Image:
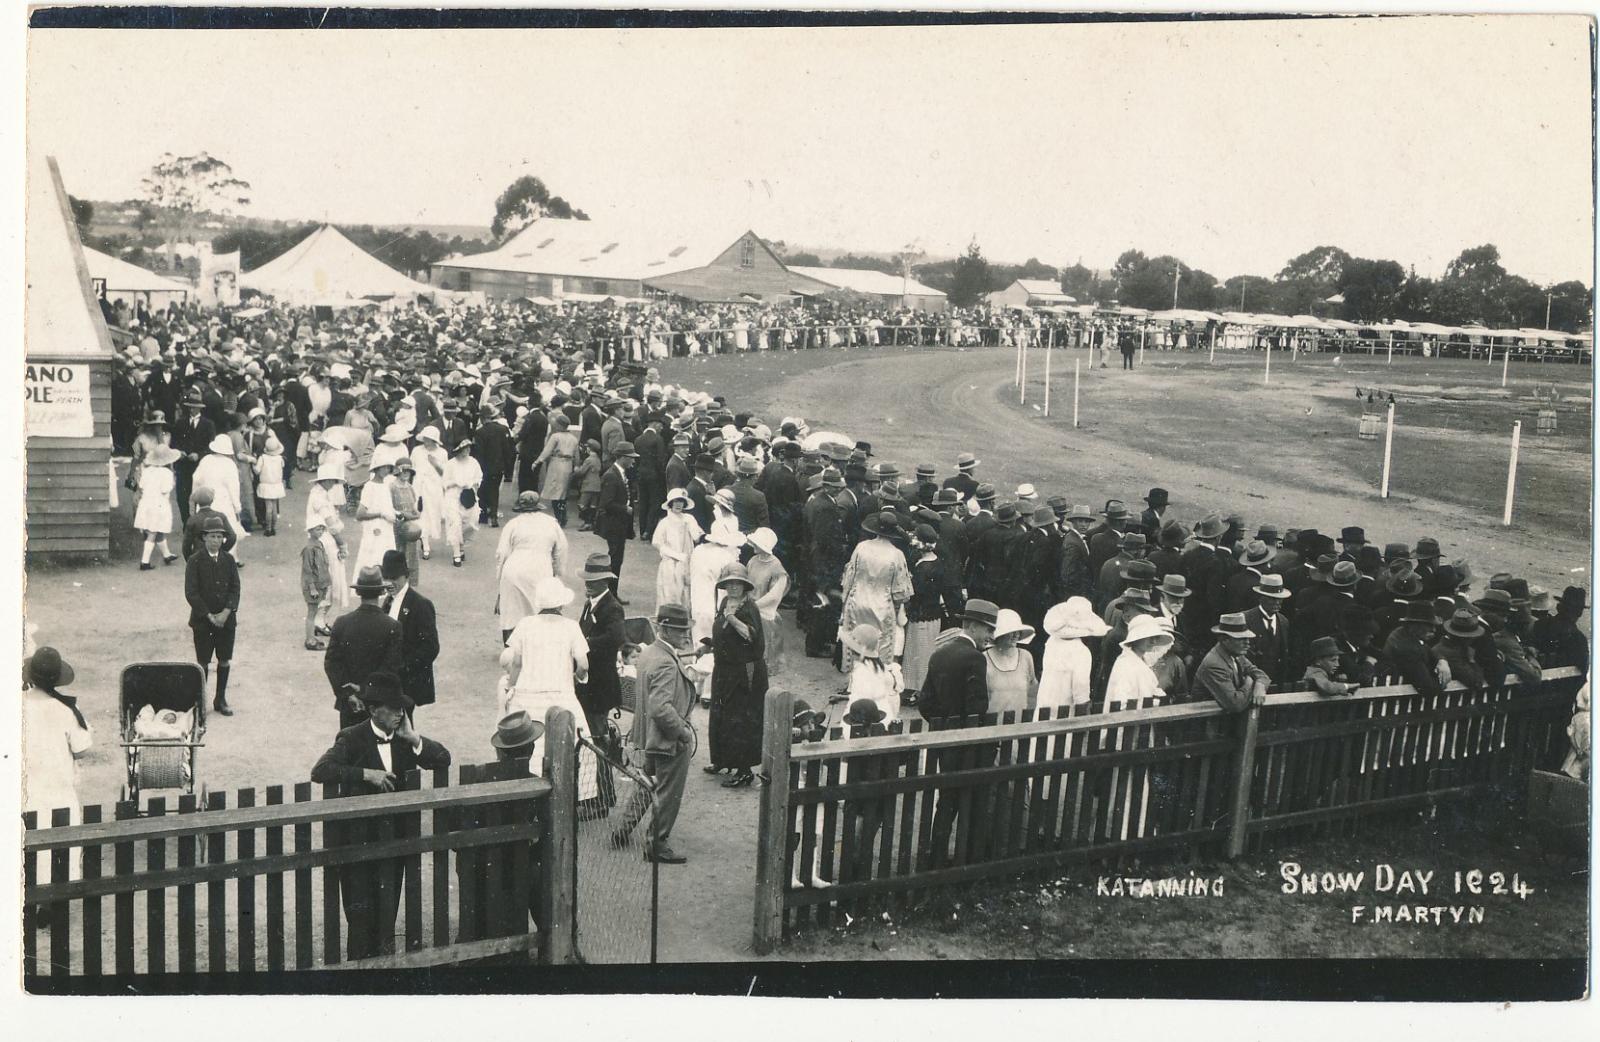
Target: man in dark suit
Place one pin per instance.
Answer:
(781, 485)
(956, 687)
(1406, 654)
(363, 642)
(1150, 520)
(211, 586)
(676, 470)
(366, 758)
(1270, 647)
(749, 505)
(613, 510)
(191, 436)
(590, 420)
(1073, 576)
(700, 490)
(652, 476)
(419, 629)
(964, 481)
(994, 559)
(602, 622)
(1200, 567)
(495, 452)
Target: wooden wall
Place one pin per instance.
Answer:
(69, 484)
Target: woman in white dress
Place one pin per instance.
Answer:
(872, 677)
(462, 474)
(322, 508)
(153, 516)
(1068, 663)
(720, 549)
(54, 735)
(1132, 676)
(877, 585)
(548, 653)
(557, 457)
(375, 514)
(674, 539)
(532, 548)
(1012, 685)
(218, 472)
(771, 583)
(430, 458)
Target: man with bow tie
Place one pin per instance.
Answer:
(370, 757)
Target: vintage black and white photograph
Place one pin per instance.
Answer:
(894, 506)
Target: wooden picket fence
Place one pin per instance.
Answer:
(1048, 790)
(255, 886)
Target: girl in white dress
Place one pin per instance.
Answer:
(430, 458)
(462, 473)
(269, 481)
(218, 472)
(1068, 663)
(720, 549)
(674, 539)
(375, 513)
(322, 508)
(153, 516)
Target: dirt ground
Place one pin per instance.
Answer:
(1158, 425)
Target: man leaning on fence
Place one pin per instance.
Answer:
(661, 729)
(956, 687)
(371, 757)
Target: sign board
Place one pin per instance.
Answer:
(219, 278)
(57, 396)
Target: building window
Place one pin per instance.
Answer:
(747, 254)
(464, 280)
(602, 286)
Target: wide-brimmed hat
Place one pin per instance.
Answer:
(429, 433)
(980, 610)
(1498, 601)
(1080, 512)
(1574, 597)
(863, 639)
(1026, 491)
(723, 497)
(1137, 572)
(1156, 497)
(884, 523)
(677, 495)
(194, 399)
(1541, 600)
(516, 730)
(1174, 585)
(221, 445)
(1427, 549)
(385, 689)
(1210, 527)
(1271, 586)
(1465, 624)
(46, 668)
(1146, 627)
(734, 572)
(673, 616)
(864, 712)
(1344, 574)
(1232, 625)
(725, 532)
(526, 501)
(157, 418)
(1115, 508)
(597, 568)
(1074, 617)
(370, 580)
(1352, 535)
(1404, 585)
(1256, 552)
(763, 539)
(551, 593)
(162, 456)
(394, 434)
(747, 467)
(330, 471)
(1008, 622)
(926, 471)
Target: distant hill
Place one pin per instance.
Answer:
(113, 218)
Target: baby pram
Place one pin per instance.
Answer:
(163, 716)
(640, 632)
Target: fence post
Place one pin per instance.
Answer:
(1239, 802)
(772, 830)
(1511, 473)
(560, 854)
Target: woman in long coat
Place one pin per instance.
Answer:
(738, 680)
(877, 584)
(560, 450)
(430, 458)
(532, 548)
(674, 539)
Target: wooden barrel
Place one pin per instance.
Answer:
(1371, 426)
(1547, 421)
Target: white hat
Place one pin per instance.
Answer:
(394, 434)
(386, 455)
(221, 445)
(1025, 491)
(1008, 622)
(1144, 627)
(725, 532)
(763, 539)
(429, 433)
(330, 471)
(676, 494)
(1074, 618)
(551, 593)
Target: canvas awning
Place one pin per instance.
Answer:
(121, 277)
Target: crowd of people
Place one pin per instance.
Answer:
(928, 588)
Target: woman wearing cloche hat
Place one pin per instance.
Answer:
(54, 735)
(548, 652)
(674, 538)
(877, 584)
(218, 472)
(738, 678)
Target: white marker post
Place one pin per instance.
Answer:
(1391, 349)
(1211, 356)
(1511, 475)
(1075, 362)
(1268, 378)
(1141, 345)
(1388, 450)
(1505, 371)
(1047, 353)
(1016, 370)
(1022, 398)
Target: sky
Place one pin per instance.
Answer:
(1231, 145)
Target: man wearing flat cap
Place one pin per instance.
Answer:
(369, 757)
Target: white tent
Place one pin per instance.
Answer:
(325, 267)
(121, 277)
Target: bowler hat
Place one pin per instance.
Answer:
(384, 689)
(597, 568)
(864, 712)
(1156, 497)
(1352, 535)
(516, 730)
(46, 668)
(394, 564)
(370, 580)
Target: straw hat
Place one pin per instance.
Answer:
(551, 593)
(429, 433)
(164, 456)
(1074, 617)
(1008, 622)
(394, 434)
(1233, 625)
(1146, 627)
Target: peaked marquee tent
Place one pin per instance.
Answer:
(327, 268)
(123, 279)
